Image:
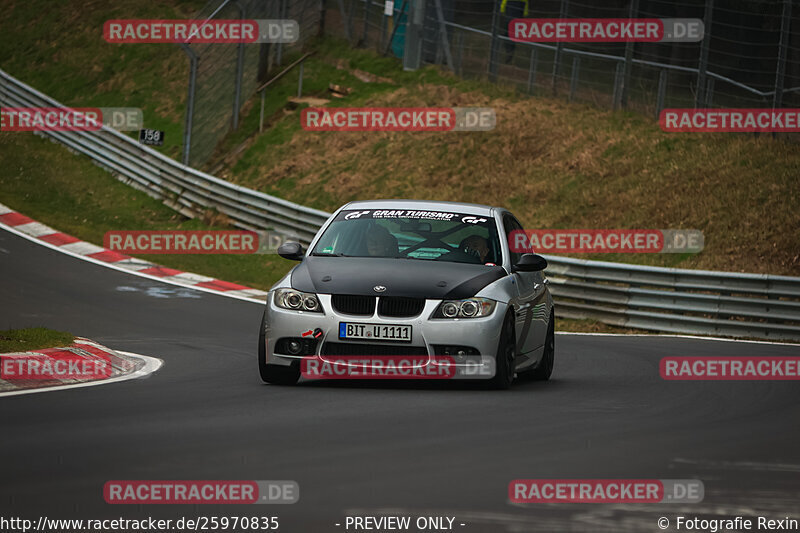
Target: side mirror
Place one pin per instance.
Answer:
(530, 263)
(291, 250)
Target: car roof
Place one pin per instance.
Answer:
(423, 205)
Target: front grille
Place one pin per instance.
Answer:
(354, 305)
(397, 306)
(342, 348)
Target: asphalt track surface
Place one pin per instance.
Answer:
(369, 448)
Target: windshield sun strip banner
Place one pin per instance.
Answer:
(357, 214)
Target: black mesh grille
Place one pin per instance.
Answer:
(342, 348)
(354, 305)
(399, 306)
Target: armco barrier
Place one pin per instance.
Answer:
(661, 299)
(677, 300)
(183, 188)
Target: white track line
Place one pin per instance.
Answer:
(171, 281)
(151, 364)
(675, 336)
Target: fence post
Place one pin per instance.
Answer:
(493, 43)
(237, 92)
(415, 20)
(321, 28)
(187, 127)
(366, 19)
(383, 31)
(617, 86)
(703, 65)
(559, 45)
(261, 113)
(345, 21)
(532, 71)
(573, 84)
(303, 37)
(458, 37)
(709, 91)
(350, 21)
(443, 33)
(282, 7)
(626, 78)
(662, 92)
(300, 81)
(780, 71)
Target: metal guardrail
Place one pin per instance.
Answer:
(677, 300)
(661, 299)
(182, 188)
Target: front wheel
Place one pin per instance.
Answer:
(545, 368)
(505, 362)
(274, 374)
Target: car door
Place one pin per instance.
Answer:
(531, 325)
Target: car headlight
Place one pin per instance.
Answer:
(469, 308)
(297, 300)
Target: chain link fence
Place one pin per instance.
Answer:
(749, 57)
(223, 76)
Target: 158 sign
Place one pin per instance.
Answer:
(151, 137)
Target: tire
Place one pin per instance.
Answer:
(274, 374)
(545, 368)
(506, 355)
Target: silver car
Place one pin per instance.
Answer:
(434, 280)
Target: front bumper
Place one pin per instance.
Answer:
(482, 334)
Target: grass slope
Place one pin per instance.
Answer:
(20, 340)
(555, 164)
(48, 183)
(57, 47)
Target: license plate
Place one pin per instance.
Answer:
(374, 332)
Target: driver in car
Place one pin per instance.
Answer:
(477, 246)
(381, 243)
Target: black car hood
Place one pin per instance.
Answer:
(401, 277)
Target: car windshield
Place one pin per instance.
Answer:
(412, 234)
